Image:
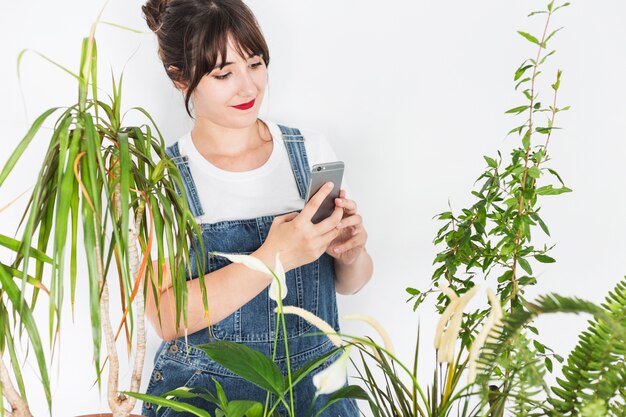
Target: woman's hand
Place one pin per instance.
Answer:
(349, 244)
(298, 240)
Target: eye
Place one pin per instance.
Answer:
(221, 77)
(257, 64)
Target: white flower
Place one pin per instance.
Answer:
(334, 377)
(256, 264)
(315, 321)
(250, 261)
(494, 318)
(279, 280)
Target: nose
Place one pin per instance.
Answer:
(247, 87)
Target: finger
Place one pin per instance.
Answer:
(348, 205)
(354, 242)
(353, 220)
(329, 236)
(342, 193)
(316, 201)
(330, 222)
(286, 217)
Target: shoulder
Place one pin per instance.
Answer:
(314, 139)
(179, 147)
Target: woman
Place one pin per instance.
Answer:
(241, 176)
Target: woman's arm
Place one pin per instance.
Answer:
(353, 265)
(241, 284)
(350, 278)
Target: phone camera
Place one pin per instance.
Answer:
(319, 168)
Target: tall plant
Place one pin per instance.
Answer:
(118, 183)
(494, 235)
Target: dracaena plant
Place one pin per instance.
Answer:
(105, 192)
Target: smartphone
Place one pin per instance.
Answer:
(320, 175)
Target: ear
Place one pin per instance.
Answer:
(174, 73)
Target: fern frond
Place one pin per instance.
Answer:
(595, 372)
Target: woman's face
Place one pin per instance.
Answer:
(242, 81)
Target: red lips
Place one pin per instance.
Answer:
(245, 106)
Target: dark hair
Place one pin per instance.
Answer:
(193, 34)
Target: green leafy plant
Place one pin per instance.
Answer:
(594, 375)
(116, 183)
(494, 235)
(261, 370)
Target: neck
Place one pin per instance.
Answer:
(214, 139)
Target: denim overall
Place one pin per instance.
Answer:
(311, 287)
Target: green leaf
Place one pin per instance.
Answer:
(545, 42)
(550, 190)
(413, 291)
(545, 259)
(548, 363)
(529, 37)
(351, 391)
(557, 83)
(525, 265)
(174, 405)
(534, 172)
(21, 147)
(526, 140)
(247, 363)
(241, 408)
(14, 245)
(520, 71)
(27, 321)
(517, 110)
(221, 395)
(540, 347)
(305, 369)
(553, 172)
(491, 162)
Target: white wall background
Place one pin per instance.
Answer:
(410, 93)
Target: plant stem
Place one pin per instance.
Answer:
(282, 318)
(19, 408)
(140, 353)
(520, 206)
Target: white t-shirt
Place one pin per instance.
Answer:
(267, 190)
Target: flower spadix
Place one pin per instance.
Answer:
(334, 377)
(445, 340)
(256, 264)
(315, 321)
(493, 319)
(378, 327)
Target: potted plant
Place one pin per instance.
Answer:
(105, 192)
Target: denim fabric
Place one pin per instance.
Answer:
(311, 287)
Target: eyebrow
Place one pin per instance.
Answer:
(225, 64)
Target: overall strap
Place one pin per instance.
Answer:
(294, 142)
(182, 163)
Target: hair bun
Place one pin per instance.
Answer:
(153, 12)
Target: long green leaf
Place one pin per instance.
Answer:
(21, 147)
(174, 405)
(351, 391)
(28, 322)
(247, 363)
